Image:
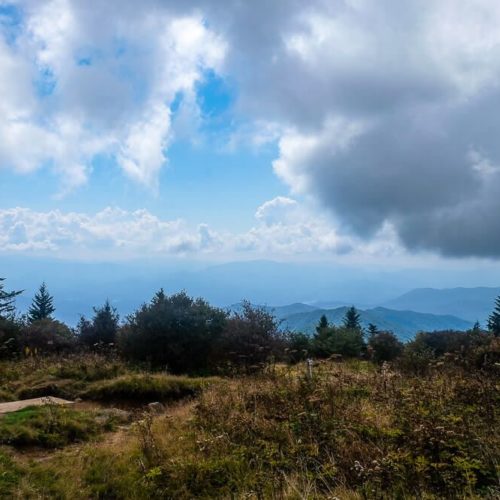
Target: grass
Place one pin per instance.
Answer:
(52, 426)
(355, 431)
(144, 387)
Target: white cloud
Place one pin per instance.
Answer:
(111, 74)
(283, 228)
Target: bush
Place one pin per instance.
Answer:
(299, 347)
(46, 336)
(384, 346)
(9, 338)
(347, 342)
(249, 340)
(176, 333)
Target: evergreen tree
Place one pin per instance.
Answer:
(372, 330)
(351, 319)
(42, 306)
(103, 327)
(477, 327)
(494, 319)
(323, 323)
(7, 300)
(105, 323)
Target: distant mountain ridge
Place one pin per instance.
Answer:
(405, 324)
(469, 303)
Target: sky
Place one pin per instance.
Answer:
(345, 131)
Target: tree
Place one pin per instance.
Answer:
(384, 346)
(250, 339)
(351, 319)
(338, 340)
(46, 336)
(175, 332)
(494, 319)
(42, 306)
(299, 346)
(7, 300)
(323, 323)
(372, 330)
(103, 327)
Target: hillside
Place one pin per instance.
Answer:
(468, 303)
(404, 324)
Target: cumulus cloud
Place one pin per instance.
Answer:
(380, 105)
(283, 228)
(86, 78)
(384, 112)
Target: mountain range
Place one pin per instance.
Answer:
(300, 317)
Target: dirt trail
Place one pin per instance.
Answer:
(19, 405)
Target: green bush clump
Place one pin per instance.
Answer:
(146, 387)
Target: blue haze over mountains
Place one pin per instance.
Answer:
(405, 301)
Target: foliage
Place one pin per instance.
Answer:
(351, 319)
(299, 347)
(7, 300)
(42, 306)
(338, 340)
(174, 332)
(322, 324)
(494, 319)
(249, 339)
(46, 336)
(9, 337)
(384, 346)
(103, 328)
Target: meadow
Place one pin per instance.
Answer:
(354, 430)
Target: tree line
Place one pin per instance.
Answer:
(181, 334)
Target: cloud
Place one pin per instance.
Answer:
(385, 112)
(379, 106)
(88, 78)
(283, 228)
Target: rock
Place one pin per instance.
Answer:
(116, 414)
(156, 407)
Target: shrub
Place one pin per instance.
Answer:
(9, 338)
(46, 336)
(249, 340)
(175, 332)
(384, 346)
(338, 340)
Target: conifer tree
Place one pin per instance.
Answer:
(323, 323)
(494, 319)
(42, 306)
(7, 300)
(372, 329)
(351, 319)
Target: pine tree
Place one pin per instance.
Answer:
(351, 319)
(105, 323)
(323, 323)
(7, 300)
(494, 319)
(42, 306)
(372, 329)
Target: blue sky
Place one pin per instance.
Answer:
(259, 130)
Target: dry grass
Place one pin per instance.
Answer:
(353, 432)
